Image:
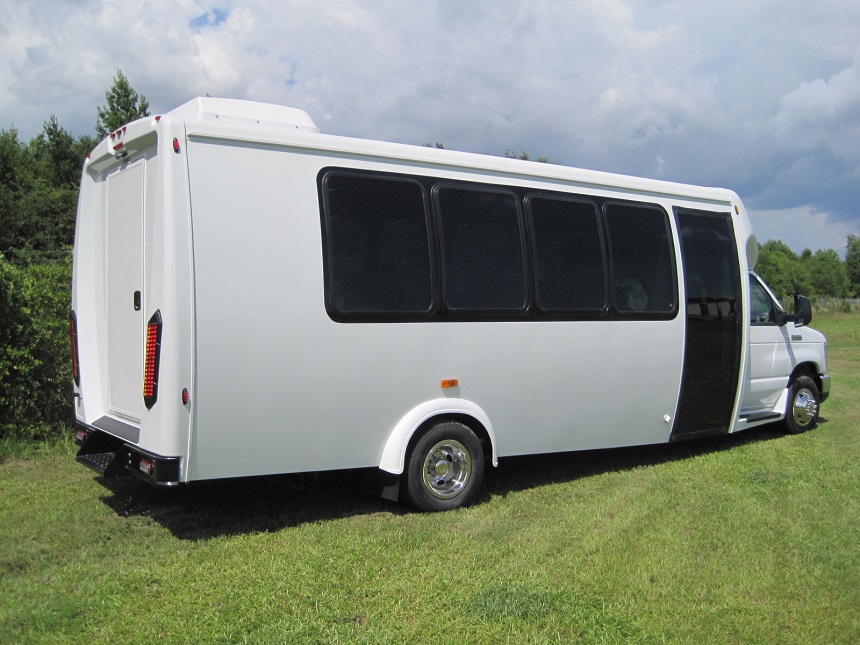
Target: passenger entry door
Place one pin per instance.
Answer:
(124, 210)
(712, 350)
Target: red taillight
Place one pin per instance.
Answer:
(73, 335)
(81, 436)
(153, 355)
(146, 467)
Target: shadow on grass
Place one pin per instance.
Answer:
(204, 510)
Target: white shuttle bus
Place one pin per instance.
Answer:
(252, 297)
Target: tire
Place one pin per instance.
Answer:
(803, 403)
(445, 468)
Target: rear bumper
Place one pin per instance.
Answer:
(111, 456)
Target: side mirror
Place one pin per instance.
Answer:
(802, 311)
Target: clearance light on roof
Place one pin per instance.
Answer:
(153, 356)
(73, 335)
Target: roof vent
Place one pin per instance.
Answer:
(268, 113)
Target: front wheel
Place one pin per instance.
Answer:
(445, 468)
(803, 402)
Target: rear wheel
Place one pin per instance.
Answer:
(803, 402)
(445, 468)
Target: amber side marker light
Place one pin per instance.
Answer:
(450, 382)
(153, 357)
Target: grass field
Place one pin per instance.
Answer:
(753, 538)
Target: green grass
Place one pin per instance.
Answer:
(750, 539)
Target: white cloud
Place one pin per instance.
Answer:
(803, 227)
(824, 114)
(752, 96)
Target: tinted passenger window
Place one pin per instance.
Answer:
(643, 278)
(482, 250)
(710, 263)
(568, 255)
(378, 250)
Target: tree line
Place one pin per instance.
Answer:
(39, 182)
(822, 274)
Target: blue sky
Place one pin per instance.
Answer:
(762, 97)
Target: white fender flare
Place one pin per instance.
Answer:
(394, 454)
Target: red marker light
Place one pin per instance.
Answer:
(176, 147)
(146, 467)
(185, 396)
(152, 358)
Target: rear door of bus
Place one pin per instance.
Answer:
(124, 233)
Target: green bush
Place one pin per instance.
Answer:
(35, 366)
(835, 305)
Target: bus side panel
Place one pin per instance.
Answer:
(262, 401)
(283, 388)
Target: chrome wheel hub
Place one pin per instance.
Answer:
(447, 469)
(805, 407)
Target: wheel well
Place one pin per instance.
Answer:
(470, 422)
(807, 369)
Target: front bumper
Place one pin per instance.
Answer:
(824, 389)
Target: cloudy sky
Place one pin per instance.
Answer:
(759, 96)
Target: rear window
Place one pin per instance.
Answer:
(378, 258)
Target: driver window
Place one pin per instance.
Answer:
(761, 305)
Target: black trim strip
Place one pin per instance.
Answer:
(437, 312)
(760, 416)
(697, 434)
(119, 428)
